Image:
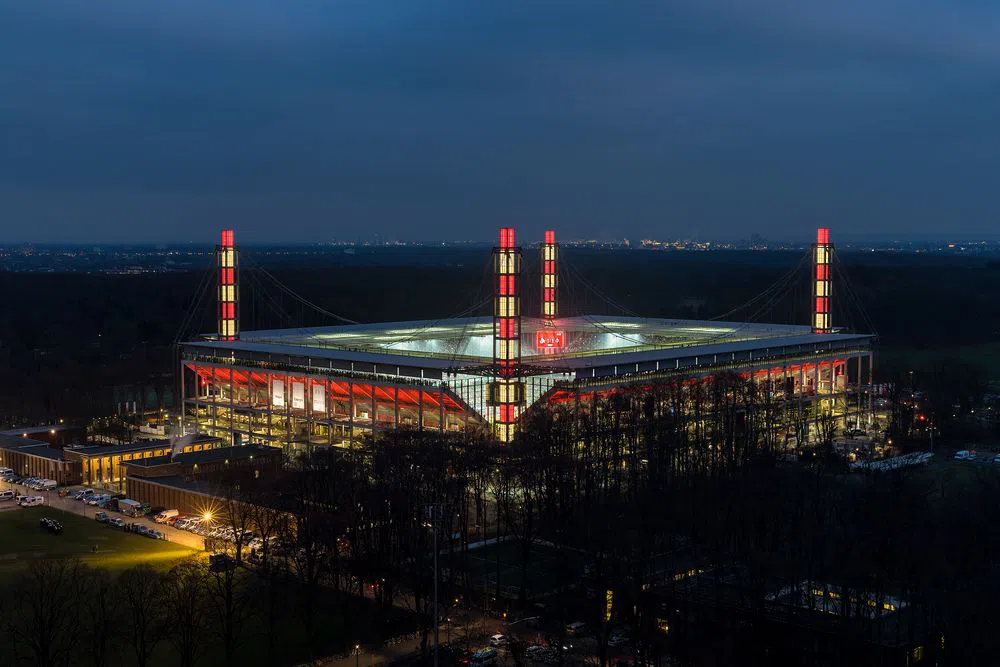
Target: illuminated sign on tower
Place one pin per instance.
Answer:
(506, 389)
(225, 259)
(822, 281)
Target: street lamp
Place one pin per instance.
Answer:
(357, 655)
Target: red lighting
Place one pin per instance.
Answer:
(228, 290)
(550, 339)
(507, 286)
(550, 236)
(822, 284)
(506, 238)
(507, 327)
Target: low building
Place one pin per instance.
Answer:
(103, 465)
(55, 435)
(205, 462)
(34, 458)
(186, 481)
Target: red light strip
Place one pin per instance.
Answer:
(550, 277)
(506, 391)
(228, 291)
(822, 283)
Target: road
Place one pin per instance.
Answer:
(67, 504)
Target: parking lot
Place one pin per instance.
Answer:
(67, 504)
(23, 538)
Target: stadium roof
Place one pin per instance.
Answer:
(590, 341)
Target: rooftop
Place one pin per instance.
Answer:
(187, 484)
(33, 430)
(210, 455)
(585, 341)
(28, 446)
(140, 445)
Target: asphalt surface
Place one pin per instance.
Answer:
(67, 504)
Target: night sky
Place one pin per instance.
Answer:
(309, 120)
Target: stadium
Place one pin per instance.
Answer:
(306, 388)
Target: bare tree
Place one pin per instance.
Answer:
(186, 606)
(229, 604)
(103, 617)
(41, 614)
(143, 595)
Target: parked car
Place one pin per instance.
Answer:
(7, 495)
(165, 516)
(102, 517)
(116, 521)
(192, 522)
(576, 628)
(484, 657)
(964, 455)
(31, 501)
(156, 534)
(617, 640)
(174, 520)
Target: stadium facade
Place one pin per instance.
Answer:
(336, 386)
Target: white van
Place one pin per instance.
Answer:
(6, 471)
(48, 484)
(32, 501)
(7, 495)
(165, 516)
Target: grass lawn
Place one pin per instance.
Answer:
(22, 539)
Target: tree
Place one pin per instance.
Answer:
(104, 613)
(41, 615)
(229, 605)
(143, 601)
(186, 606)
